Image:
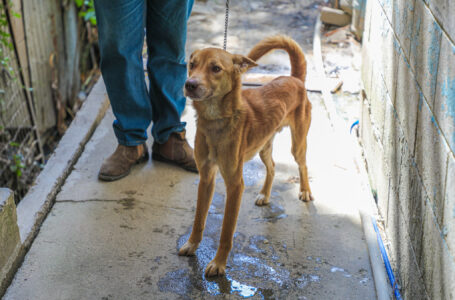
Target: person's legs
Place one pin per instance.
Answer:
(166, 36)
(121, 37)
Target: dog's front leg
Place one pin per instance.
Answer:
(234, 187)
(207, 172)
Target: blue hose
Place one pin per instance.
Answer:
(353, 125)
(388, 268)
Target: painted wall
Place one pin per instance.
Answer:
(408, 134)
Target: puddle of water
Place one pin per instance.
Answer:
(243, 290)
(341, 270)
(363, 280)
(217, 206)
(272, 213)
(304, 280)
(177, 282)
(255, 242)
(253, 171)
(228, 285)
(258, 268)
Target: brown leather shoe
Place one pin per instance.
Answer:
(175, 151)
(119, 164)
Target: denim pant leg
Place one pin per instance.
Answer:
(166, 27)
(121, 37)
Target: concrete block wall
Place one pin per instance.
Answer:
(9, 236)
(408, 135)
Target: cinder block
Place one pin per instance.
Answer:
(390, 59)
(431, 153)
(378, 22)
(387, 6)
(425, 49)
(448, 229)
(444, 12)
(393, 143)
(9, 232)
(436, 263)
(367, 69)
(374, 156)
(382, 179)
(379, 97)
(393, 138)
(407, 101)
(413, 201)
(366, 30)
(404, 259)
(444, 104)
(402, 21)
(10, 243)
(384, 50)
(335, 16)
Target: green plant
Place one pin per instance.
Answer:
(5, 36)
(17, 164)
(87, 10)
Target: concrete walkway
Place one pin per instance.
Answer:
(119, 240)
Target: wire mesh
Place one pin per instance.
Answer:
(20, 152)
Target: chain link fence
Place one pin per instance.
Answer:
(21, 154)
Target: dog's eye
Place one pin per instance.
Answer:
(216, 69)
(191, 65)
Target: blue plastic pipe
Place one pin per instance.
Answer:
(385, 258)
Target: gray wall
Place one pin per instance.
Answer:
(408, 134)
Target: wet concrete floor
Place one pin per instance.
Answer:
(119, 240)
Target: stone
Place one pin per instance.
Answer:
(335, 16)
(9, 232)
(9, 235)
(425, 48)
(444, 104)
(346, 5)
(443, 11)
(431, 153)
(448, 228)
(407, 100)
(402, 22)
(412, 199)
(436, 263)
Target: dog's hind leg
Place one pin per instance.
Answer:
(266, 156)
(300, 124)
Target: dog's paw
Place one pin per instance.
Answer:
(262, 200)
(215, 269)
(188, 249)
(306, 196)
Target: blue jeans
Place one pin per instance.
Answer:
(121, 36)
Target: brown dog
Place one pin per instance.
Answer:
(234, 124)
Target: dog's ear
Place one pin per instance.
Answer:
(243, 63)
(193, 54)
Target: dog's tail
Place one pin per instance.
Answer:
(298, 61)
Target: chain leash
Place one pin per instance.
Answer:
(226, 22)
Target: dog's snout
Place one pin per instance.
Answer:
(191, 84)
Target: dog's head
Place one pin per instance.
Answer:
(213, 72)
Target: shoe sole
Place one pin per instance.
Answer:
(160, 158)
(117, 177)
